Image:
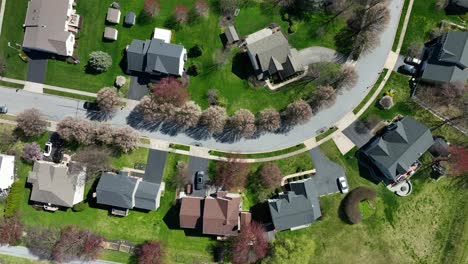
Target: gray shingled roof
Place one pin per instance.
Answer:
(448, 58)
(272, 54)
(116, 190)
(56, 184)
(395, 151)
(153, 56)
(298, 207)
(145, 196)
(462, 3)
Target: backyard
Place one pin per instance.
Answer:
(216, 65)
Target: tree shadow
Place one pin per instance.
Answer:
(99, 116)
(229, 135)
(198, 133)
(136, 120)
(171, 128)
(241, 66)
(344, 41)
(341, 211)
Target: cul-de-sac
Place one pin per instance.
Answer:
(234, 131)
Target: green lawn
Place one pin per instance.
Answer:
(426, 227)
(12, 85)
(203, 31)
(371, 92)
(6, 259)
(69, 95)
(425, 17)
(136, 227)
(260, 155)
(400, 25)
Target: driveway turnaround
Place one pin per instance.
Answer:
(37, 67)
(327, 173)
(198, 164)
(358, 133)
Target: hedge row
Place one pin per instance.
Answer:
(13, 200)
(352, 200)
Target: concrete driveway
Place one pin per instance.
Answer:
(327, 173)
(320, 54)
(198, 164)
(37, 67)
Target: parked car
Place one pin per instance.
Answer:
(3, 109)
(91, 106)
(412, 61)
(199, 180)
(343, 185)
(407, 69)
(47, 149)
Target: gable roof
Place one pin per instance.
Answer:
(116, 190)
(154, 56)
(145, 196)
(448, 58)
(45, 26)
(298, 207)
(231, 34)
(7, 171)
(395, 151)
(57, 184)
(272, 54)
(191, 211)
(221, 214)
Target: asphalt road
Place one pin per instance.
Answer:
(23, 252)
(368, 68)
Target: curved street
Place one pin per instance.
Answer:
(368, 68)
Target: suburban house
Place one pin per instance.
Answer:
(156, 56)
(271, 56)
(57, 185)
(7, 171)
(50, 26)
(131, 189)
(214, 215)
(445, 59)
(297, 208)
(394, 154)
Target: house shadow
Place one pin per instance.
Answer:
(223, 39)
(123, 61)
(261, 212)
(366, 169)
(241, 66)
(453, 10)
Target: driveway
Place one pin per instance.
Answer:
(320, 54)
(37, 67)
(155, 163)
(328, 172)
(358, 133)
(138, 87)
(198, 164)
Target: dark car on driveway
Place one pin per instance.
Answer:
(407, 69)
(91, 106)
(199, 180)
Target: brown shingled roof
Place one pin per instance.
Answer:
(191, 212)
(221, 214)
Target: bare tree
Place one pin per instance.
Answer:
(104, 134)
(41, 241)
(214, 118)
(31, 123)
(150, 252)
(347, 78)
(243, 122)
(151, 8)
(156, 111)
(125, 139)
(188, 115)
(96, 160)
(76, 129)
(170, 90)
(182, 177)
(108, 99)
(454, 90)
(269, 120)
(232, 174)
(11, 230)
(77, 244)
(181, 14)
(271, 175)
(298, 112)
(31, 152)
(323, 97)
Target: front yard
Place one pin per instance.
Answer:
(216, 67)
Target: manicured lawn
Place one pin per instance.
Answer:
(425, 17)
(400, 25)
(261, 155)
(202, 31)
(6, 259)
(425, 227)
(69, 95)
(136, 227)
(12, 85)
(326, 133)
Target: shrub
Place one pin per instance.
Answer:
(181, 14)
(195, 51)
(193, 70)
(201, 8)
(353, 199)
(250, 245)
(14, 199)
(11, 230)
(150, 252)
(99, 61)
(120, 81)
(386, 102)
(414, 49)
(31, 152)
(293, 28)
(271, 175)
(80, 207)
(212, 96)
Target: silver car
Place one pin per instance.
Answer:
(343, 185)
(3, 109)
